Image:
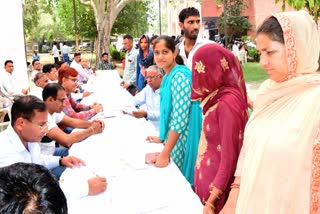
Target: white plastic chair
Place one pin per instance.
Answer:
(4, 125)
(3, 112)
(243, 57)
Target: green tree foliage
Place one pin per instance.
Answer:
(115, 54)
(31, 15)
(40, 26)
(85, 19)
(313, 6)
(47, 30)
(134, 19)
(40, 22)
(58, 24)
(231, 20)
(137, 11)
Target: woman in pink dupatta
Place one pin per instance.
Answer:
(217, 82)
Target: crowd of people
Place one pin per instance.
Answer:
(193, 92)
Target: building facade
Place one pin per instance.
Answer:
(173, 9)
(257, 11)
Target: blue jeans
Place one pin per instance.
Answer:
(59, 169)
(65, 58)
(68, 130)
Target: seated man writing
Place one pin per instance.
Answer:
(53, 96)
(20, 143)
(148, 99)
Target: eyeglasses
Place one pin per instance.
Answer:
(74, 80)
(61, 99)
(41, 127)
(151, 77)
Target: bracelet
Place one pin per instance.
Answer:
(234, 185)
(60, 160)
(210, 205)
(216, 196)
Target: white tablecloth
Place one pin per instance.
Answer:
(119, 155)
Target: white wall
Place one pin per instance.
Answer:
(12, 39)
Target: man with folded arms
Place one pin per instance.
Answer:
(53, 96)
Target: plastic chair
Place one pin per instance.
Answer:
(3, 113)
(243, 57)
(3, 125)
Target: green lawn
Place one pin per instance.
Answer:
(254, 73)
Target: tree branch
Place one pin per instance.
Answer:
(120, 5)
(85, 2)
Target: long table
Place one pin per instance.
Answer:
(119, 155)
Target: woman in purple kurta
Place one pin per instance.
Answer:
(217, 82)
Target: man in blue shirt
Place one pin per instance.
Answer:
(129, 72)
(148, 99)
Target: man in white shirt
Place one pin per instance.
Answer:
(235, 49)
(36, 68)
(148, 99)
(51, 71)
(79, 64)
(7, 81)
(189, 22)
(86, 66)
(40, 81)
(20, 142)
(53, 96)
(65, 51)
(55, 52)
(76, 64)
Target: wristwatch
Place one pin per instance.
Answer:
(60, 160)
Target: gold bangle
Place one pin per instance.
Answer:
(216, 196)
(234, 185)
(210, 205)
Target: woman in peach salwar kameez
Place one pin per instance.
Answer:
(278, 170)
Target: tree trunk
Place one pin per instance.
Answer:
(106, 12)
(226, 37)
(108, 26)
(99, 43)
